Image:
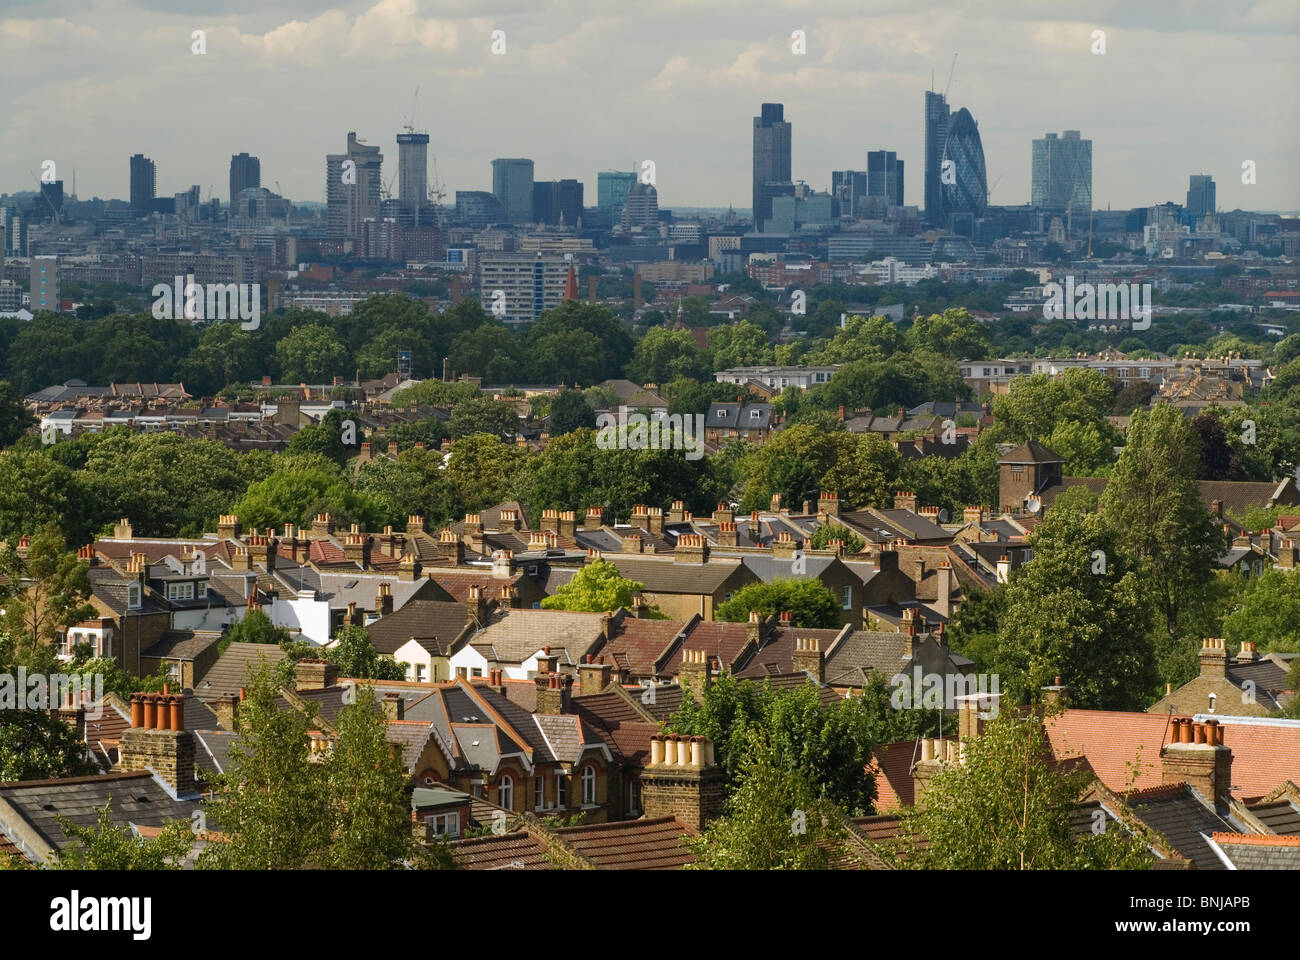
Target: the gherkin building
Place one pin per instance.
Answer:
(969, 194)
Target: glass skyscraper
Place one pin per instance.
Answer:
(1062, 173)
(771, 159)
(885, 176)
(612, 187)
(512, 183)
(1200, 196)
(966, 197)
(936, 132)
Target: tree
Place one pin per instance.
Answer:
(269, 803)
(107, 846)
(414, 482)
(570, 411)
(300, 488)
(953, 333)
(367, 815)
(740, 345)
(43, 591)
(597, 587)
(484, 415)
(355, 656)
(1077, 610)
(36, 489)
(325, 438)
(311, 354)
(773, 820)
(827, 532)
(861, 338)
(1008, 806)
(437, 393)
(37, 745)
(256, 627)
(1154, 504)
(1266, 611)
(481, 469)
(664, 355)
(809, 601)
(14, 418)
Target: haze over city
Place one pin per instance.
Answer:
(286, 83)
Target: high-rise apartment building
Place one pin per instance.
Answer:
(144, 182)
(245, 172)
(521, 284)
(772, 147)
(885, 176)
(512, 183)
(1200, 196)
(1062, 173)
(352, 189)
(412, 175)
(611, 193)
(44, 288)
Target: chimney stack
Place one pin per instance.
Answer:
(808, 658)
(682, 780)
(592, 677)
(1214, 659)
(555, 695)
(228, 527)
(476, 606)
(394, 707)
(594, 519)
(829, 504)
(694, 675)
(157, 740)
(1196, 755)
(315, 674)
(450, 548)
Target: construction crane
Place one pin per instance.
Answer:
(950, 71)
(994, 187)
(409, 126)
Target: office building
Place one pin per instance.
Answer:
(352, 189)
(245, 173)
(936, 133)
(772, 147)
(557, 202)
(966, 197)
(512, 184)
(848, 187)
(44, 290)
(611, 193)
(885, 176)
(49, 206)
(412, 176)
(1200, 196)
(144, 182)
(478, 208)
(1062, 173)
(527, 284)
(642, 207)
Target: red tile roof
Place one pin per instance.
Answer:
(632, 844)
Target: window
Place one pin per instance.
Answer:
(180, 591)
(634, 796)
(445, 824)
(588, 786)
(755, 414)
(539, 793)
(561, 790)
(476, 788)
(133, 596)
(462, 671)
(506, 792)
(1017, 472)
(419, 672)
(476, 672)
(848, 596)
(174, 669)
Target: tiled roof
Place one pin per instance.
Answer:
(1280, 816)
(458, 582)
(665, 575)
(435, 624)
(183, 644)
(777, 654)
(641, 646)
(508, 851)
(1184, 819)
(230, 672)
(722, 641)
(516, 635)
(632, 844)
(411, 736)
(1254, 852)
(135, 798)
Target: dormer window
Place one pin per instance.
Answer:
(180, 591)
(755, 414)
(133, 596)
(722, 414)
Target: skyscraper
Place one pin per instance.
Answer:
(144, 177)
(885, 176)
(245, 172)
(557, 201)
(848, 187)
(642, 206)
(965, 198)
(412, 175)
(1200, 196)
(936, 132)
(611, 193)
(772, 140)
(352, 189)
(1062, 173)
(512, 183)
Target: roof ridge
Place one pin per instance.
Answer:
(1255, 839)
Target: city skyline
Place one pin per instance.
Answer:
(688, 107)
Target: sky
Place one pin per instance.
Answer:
(1183, 87)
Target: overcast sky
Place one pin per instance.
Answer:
(1184, 87)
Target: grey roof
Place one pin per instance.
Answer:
(230, 672)
(411, 736)
(109, 587)
(135, 798)
(182, 644)
(1259, 852)
(666, 575)
(730, 415)
(768, 568)
(340, 589)
(213, 753)
(1184, 819)
(434, 624)
(515, 635)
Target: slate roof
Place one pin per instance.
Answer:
(411, 736)
(212, 753)
(1281, 816)
(1254, 852)
(1031, 452)
(776, 655)
(109, 588)
(434, 624)
(103, 734)
(183, 644)
(508, 851)
(230, 672)
(632, 844)
(340, 589)
(135, 798)
(1184, 819)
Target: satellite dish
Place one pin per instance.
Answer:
(1033, 504)
(943, 516)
